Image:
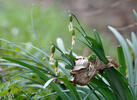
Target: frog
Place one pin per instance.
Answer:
(84, 70)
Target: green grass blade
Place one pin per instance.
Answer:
(135, 13)
(69, 58)
(134, 43)
(34, 47)
(104, 88)
(79, 24)
(121, 59)
(97, 95)
(33, 28)
(93, 91)
(135, 77)
(28, 55)
(73, 91)
(96, 47)
(126, 53)
(48, 82)
(54, 93)
(41, 75)
(35, 86)
(11, 64)
(97, 37)
(118, 84)
(32, 60)
(60, 44)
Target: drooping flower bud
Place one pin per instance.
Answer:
(52, 53)
(73, 37)
(56, 65)
(70, 26)
(52, 49)
(70, 18)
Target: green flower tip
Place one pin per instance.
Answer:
(73, 32)
(56, 63)
(52, 49)
(70, 18)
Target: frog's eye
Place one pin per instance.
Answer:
(79, 57)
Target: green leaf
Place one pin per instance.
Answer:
(135, 77)
(72, 58)
(96, 93)
(54, 93)
(118, 84)
(96, 47)
(121, 59)
(35, 85)
(68, 67)
(65, 57)
(27, 54)
(127, 55)
(135, 13)
(48, 82)
(134, 42)
(41, 75)
(97, 37)
(103, 88)
(73, 91)
(79, 24)
(60, 44)
(134, 47)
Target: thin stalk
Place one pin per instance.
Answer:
(33, 28)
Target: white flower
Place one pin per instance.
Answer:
(70, 26)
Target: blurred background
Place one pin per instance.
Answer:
(40, 23)
(21, 20)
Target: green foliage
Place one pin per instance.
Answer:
(130, 63)
(37, 77)
(135, 13)
(20, 21)
(121, 59)
(127, 54)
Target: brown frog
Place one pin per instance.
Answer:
(85, 70)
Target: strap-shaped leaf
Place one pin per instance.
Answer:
(118, 84)
(121, 59)
(41, 75)
(96, 47)
(104, 88)
(73, 91)
(135, 13)
(97, 37)
(127, 55)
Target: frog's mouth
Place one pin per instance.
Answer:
(84, 70)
